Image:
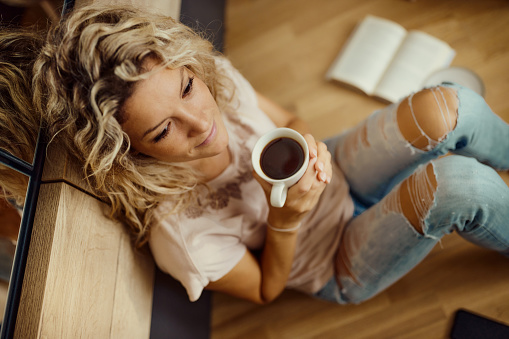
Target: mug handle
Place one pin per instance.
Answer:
(278, 194)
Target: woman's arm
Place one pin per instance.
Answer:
(262, 279)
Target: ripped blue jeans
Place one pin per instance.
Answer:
(380, 245)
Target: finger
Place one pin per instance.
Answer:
(328, 171)
(313, 148)
(265, 185)
(323, 166)
(322, 156)
(306, 182)
(328, 166)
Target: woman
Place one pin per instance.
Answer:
(164, 127)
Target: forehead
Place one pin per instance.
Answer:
(152, 100)
(160, 87)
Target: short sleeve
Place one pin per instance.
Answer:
(197, 251)
(243, 88)
(246, 99)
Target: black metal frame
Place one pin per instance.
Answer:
(34, 172)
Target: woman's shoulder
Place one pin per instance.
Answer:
(223, 63)
(244, 91)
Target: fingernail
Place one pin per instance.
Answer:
(329, 179)
(313, 153)
(320, 166)
(322, 176)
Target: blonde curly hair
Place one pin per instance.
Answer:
(85, 73)
(19, 124)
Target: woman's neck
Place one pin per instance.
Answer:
(212, 167)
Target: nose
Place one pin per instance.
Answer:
(196, 120)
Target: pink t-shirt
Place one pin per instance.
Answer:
(204, 242)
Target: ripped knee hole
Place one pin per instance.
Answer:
(426, 117)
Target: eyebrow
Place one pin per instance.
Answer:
(150, 130)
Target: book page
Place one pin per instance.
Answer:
(367, 53)
(419, 56)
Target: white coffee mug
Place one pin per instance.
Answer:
(294, 169)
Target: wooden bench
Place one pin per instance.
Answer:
(84, 279)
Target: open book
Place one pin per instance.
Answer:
(384, 60)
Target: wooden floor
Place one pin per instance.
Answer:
(284, 48)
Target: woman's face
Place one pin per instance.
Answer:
(173, 117)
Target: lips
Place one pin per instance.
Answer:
(210, 137)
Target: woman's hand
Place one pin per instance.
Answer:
(304, 195)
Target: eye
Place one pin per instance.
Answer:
(188, 88)
(162, 135)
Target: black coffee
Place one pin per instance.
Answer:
(281, 158)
